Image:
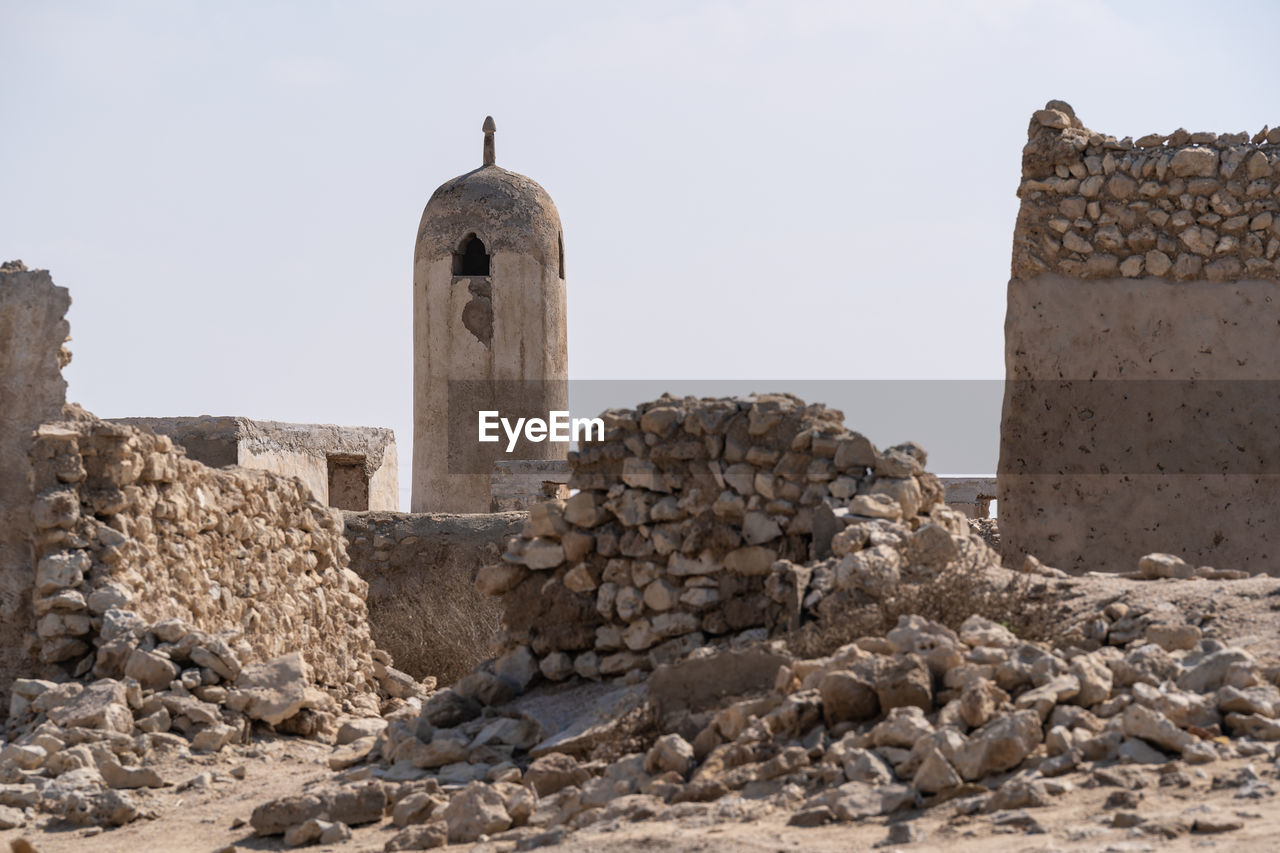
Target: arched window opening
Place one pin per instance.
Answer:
(560, 244)
(471, 257)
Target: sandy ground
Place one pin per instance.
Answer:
(207, 815)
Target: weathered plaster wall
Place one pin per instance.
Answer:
(294, 450)
(1141, 350)
(515, 374)
(32, 390)
(313, 471)
(384, 482)
(393, 549)
(304, 448)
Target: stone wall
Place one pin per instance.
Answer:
(1141, 350)
(126, 522)
(32, 390)
(340, 465)
(689, 524)
(1183, 206)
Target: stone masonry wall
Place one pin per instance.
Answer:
(125, 522)
(691, 521)
(1181, 206)
(32, 390)
(1141, 353)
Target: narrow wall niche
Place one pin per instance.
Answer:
(348, 482)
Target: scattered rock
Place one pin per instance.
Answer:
(474, 811)
(1216, 823)
(423, 837)
(553, 771)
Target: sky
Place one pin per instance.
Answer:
(772, 192)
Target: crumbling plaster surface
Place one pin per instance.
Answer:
(32, 390)
(295, 450)
(395, 552)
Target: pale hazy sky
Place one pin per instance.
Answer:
(749, 190)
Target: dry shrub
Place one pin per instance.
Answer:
(1024, 604)
(437, 625)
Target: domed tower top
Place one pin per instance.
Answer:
(505, 211)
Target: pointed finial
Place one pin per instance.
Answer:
(489, 127)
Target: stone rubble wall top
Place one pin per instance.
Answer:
(1179, 206)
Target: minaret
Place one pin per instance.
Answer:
(489, 329)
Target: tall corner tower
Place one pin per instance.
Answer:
(489, 330)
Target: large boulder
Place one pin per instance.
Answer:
(847, 698)
(352, 805)
(554, 771)
(474, 811)
(273, 691)
(101, 705)
(1000, 745)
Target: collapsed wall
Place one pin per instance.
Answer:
(689, 523)
(32, 390)
(125, 522)
(1140, 349)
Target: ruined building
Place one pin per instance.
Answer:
(1140, 349)
(352, 468)
(489, 328)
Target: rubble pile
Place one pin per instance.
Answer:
(700, 519)
(920, 717)
(1180, 206)
(701, 527)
